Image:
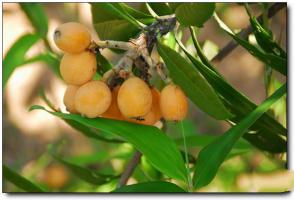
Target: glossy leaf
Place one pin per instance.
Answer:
(265, 39)
(173, 5)
(194, 14)
(212, 156)
(37, 16)
(161, 151)
(193, 83)
(160, 8)
(83, 173)
(20, 181)
(16, 55)
(240, 105)
(276, 62)
(112, 26)
(152, 187)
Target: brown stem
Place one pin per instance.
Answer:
(245, 32)
(129, 169)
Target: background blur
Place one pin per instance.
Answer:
(27, 134)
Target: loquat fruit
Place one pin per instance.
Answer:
(173, 103)
(69, 98)
(72, 37)
(154, 114)
(77, 69)
(134, 98)
(93, 99)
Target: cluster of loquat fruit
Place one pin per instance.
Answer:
(134, 100)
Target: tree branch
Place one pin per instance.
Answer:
(129, 169)
(245, 32)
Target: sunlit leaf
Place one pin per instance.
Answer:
(16, 55)
(193, 83)
(161, 151)
(239, 104)
(37, 16)
(212, 156)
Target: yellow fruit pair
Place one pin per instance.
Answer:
(77, 66)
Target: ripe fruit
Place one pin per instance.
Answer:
(154, 114)
(173, 103)
(77, 69)
(93, 99)
(72, 37)
(113, 111)
(56, 176)
(134, 98)
(69, 98)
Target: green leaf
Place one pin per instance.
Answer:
(276, 62)
(240, 105)
(160, 8)
(212, 156)
(110, 25)
(194, 14)
(37, 16)
(52, 60)
(153, 187)
(193, 83)
(134, 13)
(20, 181)
(265, 39)
(173, 5)
(103, 65)
(83, 173)
(16, 55)
(161, 151)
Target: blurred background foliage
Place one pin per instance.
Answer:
(26, 135)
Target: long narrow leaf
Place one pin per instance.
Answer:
(212, 156)
(161, 151)
(276, 62)
(83, 173)
(20, 181)
(193, 83)
(37, 16)
(240, 105)
(16, 55)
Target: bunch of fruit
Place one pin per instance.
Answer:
(134, 100)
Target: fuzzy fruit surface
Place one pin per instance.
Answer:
(72, 37)
(77, 69)
(56, 176)
(134, 98)
(154, 114)
(69, 98)
(173, 103)
(113, 111)
(93, 99)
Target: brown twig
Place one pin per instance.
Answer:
(245, 32)
(129, 169)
